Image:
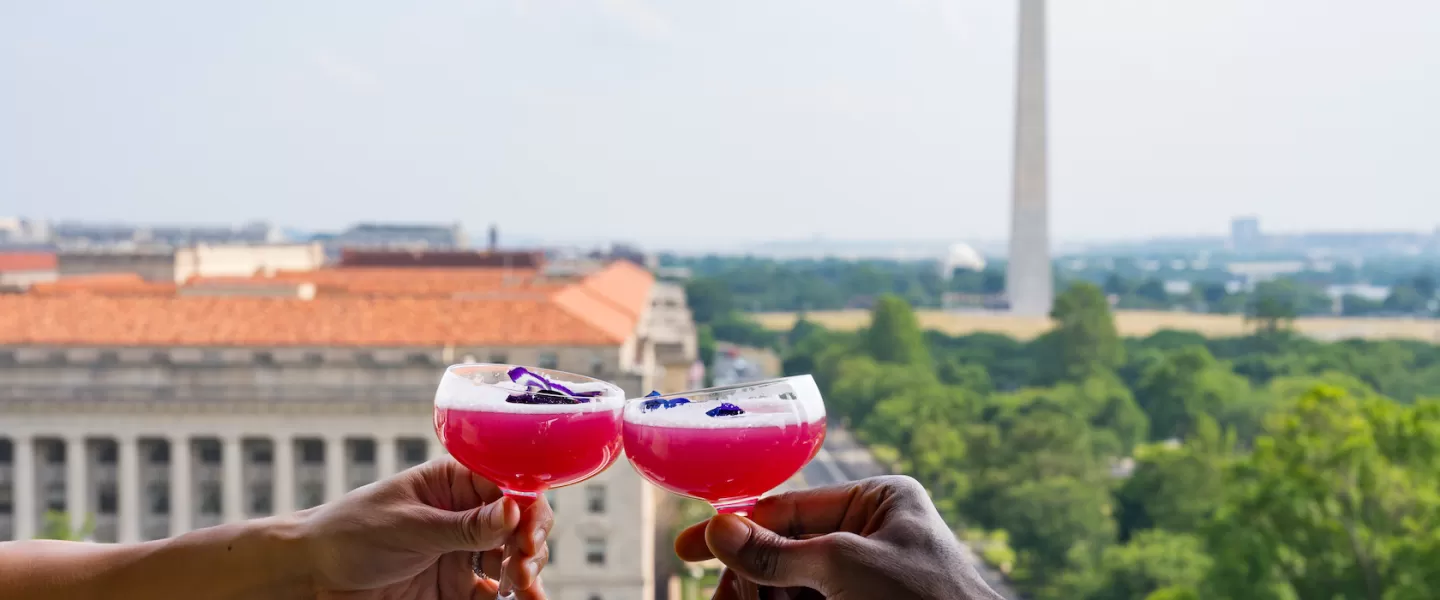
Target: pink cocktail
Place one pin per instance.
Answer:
(728, 445)
(527, 429)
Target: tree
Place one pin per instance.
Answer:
(1339, 500)
(1175, 487)
(1084, 341)
(57, 527)
(894, 335)
(1273, 305)
(1151, 562)
(708, 299)
(1188, 383)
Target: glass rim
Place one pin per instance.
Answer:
(722, 388)
(505, 367)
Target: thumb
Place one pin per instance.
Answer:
(764, 557)
(481, 528)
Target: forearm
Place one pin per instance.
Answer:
(253, 559)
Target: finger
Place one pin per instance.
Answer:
(761, 556)
(536, 592)
(813, 511)
(523, 572)
(690, 544)
(536, 522)
(490, 563)
(727, 588)
(456, 577)
(484, 589)
(475, 530)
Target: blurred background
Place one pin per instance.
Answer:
(1145, 293)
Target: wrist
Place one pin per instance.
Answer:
(284, 555)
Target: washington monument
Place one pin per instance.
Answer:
(1028, 279)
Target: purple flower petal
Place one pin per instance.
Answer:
(725, 409)
(660, 403)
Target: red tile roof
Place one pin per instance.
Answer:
(27, 261)
(353, 307)
(211, 321)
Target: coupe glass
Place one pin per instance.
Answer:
(726, 445)
(528, 429)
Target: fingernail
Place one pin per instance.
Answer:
(729, 531)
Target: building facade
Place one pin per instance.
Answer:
(153, 415)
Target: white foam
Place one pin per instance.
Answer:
(458, 392)
(763, 408)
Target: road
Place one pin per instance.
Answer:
(844, 459)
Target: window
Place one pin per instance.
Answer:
(595, 597)
(421, 360)
(105, 501)
(54, 452)
(311, 495)
(314, 359)
(597, 364)
(7, 358)
(209, 497)
(363, 451)
(412, 452)
(312, 452)
(55, 496)
(7, 450)
(595, 499)
(108, 357)
(159, 453)
(264, 359)
(498, 358)
(160, 358)
(58, 358)
(262, 454)
(159, 494)
(548, 360)
(211, 357)
(260, 500)
(595, 551)
(7, 503)
(209, 451)
(105, 453)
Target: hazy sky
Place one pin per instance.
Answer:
(703, 122)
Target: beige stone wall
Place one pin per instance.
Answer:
(246, 260)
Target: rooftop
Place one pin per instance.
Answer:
(27, 261)
(353, 307)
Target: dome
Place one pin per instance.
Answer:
(963, 256)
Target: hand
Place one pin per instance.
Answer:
(875, 538)
(414, 536)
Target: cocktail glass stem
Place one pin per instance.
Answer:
(737, 507)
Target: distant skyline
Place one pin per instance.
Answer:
(703, 124)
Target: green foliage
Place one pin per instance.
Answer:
(739, 329)
(1340, 500)
(1185, 384)
(1261, 488)
(1084, 342)
(708, 299)
(1274, 305)
(894, 334)
(56, 526)
(1151, 562)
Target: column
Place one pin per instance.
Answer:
(284, 473)
(334, 468)
(77, 485)
(25, 493)
(128, 473)
(180, 487)
(384, 456)
(231, 486)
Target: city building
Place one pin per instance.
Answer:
(19, 270)
(1245, 234)
(1029, 279)
(179, 264)
(117, 235)
(158, 408)
(392, 236)
(15, 231)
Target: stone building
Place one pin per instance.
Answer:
(156, 412)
